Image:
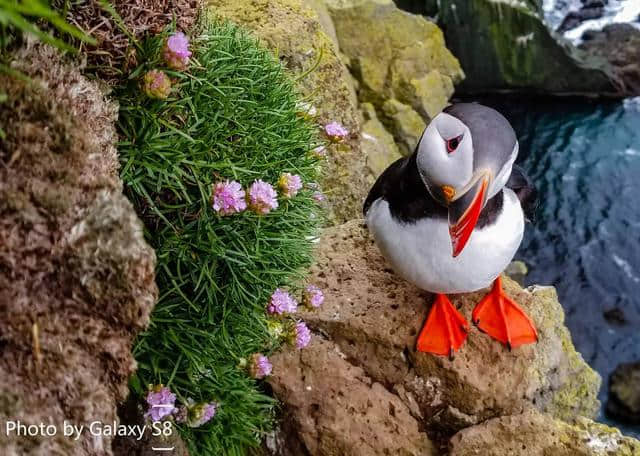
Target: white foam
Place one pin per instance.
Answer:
(626, 268)
(617, 11)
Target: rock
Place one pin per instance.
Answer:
(619, 44)
(575, 18)
(377, 143)
(406, 124)
(338, 410)
(615, 316)
(521, 54)
(324, 18)
(517, 271)
(295, 33)
(373, 317)
(624, 393)
(77, 279)
(395, 55)
(535, 434)
(427, 8)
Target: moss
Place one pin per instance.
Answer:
(378, 144)
(406, 124)
(233, 116)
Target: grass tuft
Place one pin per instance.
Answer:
(231, 116)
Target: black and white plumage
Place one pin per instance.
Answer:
(418, 207)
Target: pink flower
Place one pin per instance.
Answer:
(289, 184)
(318, 196)
(161, 402)
(196, 414)
(176, 51)
(312, 296)
(319, 152)
(262, 197)
(281, 302)
(303, 334)
(200, 414)
(156, 84)
(228, 198)
(336, 132)
(260, 366)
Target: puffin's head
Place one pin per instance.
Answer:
(464, 158)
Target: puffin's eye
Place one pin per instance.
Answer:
(453, 143)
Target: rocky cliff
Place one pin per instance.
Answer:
(76, 277)
(361, 388)
(506, 46)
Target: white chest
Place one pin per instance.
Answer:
(421, 252)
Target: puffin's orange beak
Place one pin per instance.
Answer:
(464, 213)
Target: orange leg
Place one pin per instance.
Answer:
(445, 330)
(503, 319)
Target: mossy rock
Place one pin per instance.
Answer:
(377, 143)
(400, 61)
(535, 434)
(405, 123)
(76, 277)
(506, 46)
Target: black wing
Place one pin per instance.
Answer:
(522, 185)
(383, 184)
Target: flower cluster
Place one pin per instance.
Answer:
(176, 51)
(281, 302)
(302, 334)
(289, 184)
(312, 296)
(228, 198)
(156, 84)
(262, 198)
(336, 132)
(259, 366)
(161, 404)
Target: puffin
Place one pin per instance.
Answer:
(450, 217)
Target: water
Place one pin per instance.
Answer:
(585, 160)
(615, 11)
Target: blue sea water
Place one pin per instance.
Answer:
(585, 160)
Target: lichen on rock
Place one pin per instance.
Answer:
(535, 434)
(396, 56)
(373, 317)
(377, 143)
(76, 277)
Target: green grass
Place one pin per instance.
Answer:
(232, 115)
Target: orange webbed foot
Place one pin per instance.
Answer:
(503, 319)
(445, 330)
